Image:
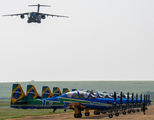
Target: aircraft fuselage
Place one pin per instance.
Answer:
(34, 17)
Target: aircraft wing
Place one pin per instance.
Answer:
(73, 105)
(17, 14)
(52, 15)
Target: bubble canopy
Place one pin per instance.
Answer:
(80, 94)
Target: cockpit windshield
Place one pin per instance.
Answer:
(32, 14)
(83, 95)
(73, 94)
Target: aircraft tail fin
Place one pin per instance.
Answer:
(31, 92)
(56, 91)
(65, 90)
(74, 89)
(46, 92)
(17, 93)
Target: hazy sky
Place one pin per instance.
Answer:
(101, 40)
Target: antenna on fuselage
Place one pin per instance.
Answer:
(39, 6)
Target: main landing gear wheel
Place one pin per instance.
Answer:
(87, 114)
(124, 113)
(110, 115)
(133, 111)
(138, 110)
(80, 115)
(96, 113)
(117, 114)
(77, 115)
(28, 21)
(129, 111)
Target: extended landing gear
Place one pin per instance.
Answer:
(110, 115)
(87, 114)
(77, 112)
(124, 113)
(96, 113)
(77, 115)
(129, 111)
(39, 22)
(138, 110)
(28, 21)
(117, 114)
(133, 111)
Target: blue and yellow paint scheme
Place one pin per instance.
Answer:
(76, 100)
(46, 92)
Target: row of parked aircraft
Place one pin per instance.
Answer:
(76, 100)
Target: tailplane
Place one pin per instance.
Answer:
(46, 92)
(65, 90)
(39, 6)
(31, 92)
(17, 93)
(56, 91)
(74, 89)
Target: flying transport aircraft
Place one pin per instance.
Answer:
(78, 101)
(35, 16)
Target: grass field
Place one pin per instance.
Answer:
(18, 113)
(125, 86)
(4, 103)
(6, 113)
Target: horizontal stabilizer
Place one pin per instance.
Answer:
(74, 89)
(39, 5)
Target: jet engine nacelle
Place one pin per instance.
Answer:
(43, 16)
(22, 16)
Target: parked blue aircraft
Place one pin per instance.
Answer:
(78, 101)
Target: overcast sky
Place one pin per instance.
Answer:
(101, 40)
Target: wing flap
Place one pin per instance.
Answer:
(52, 15)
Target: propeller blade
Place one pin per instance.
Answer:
(127, 96)
(121, 97)
(136, 96)
(115, 96)
(144, 97)
(132, 97)
(141, 97)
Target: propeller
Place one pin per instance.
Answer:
(136, 100)
(127, 100)
(149, 99)
(115, 97)
(121, 100)
(136, 96)
(141, 97)
(127, 96)
(132, 97)
(121, 97)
